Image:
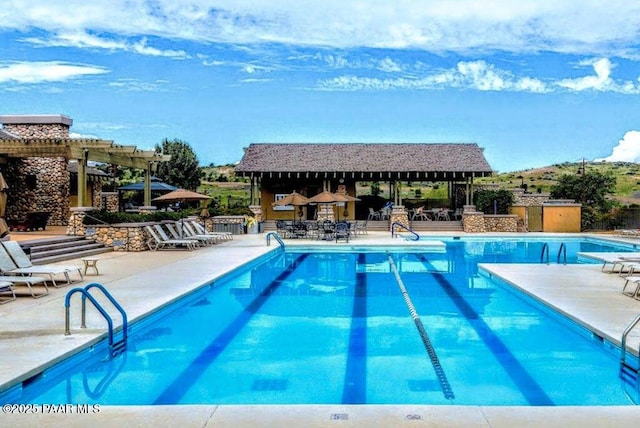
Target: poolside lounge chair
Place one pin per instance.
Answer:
(173, 229)
(212, 238)
(27, 281)
(199, 229)
(158, 240)
(24, 266)
(6, 287)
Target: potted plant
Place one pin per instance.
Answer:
(251, 223)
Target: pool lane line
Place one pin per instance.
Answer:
(527, 385)
(447, 391)
(355, 381)
(185, 380)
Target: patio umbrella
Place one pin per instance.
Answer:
(4, 229)
(327, 198)
(181, 195)
(293, 198)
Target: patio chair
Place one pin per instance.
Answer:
(361, 227)
(14, 261)
(342, 231)
(419, 214)
(373, 214)
(158, 240)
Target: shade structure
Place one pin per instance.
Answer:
(293, 198)
(156, 186)
(4, 229)
(181, 195)
(327, 197)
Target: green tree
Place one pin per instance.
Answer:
(182, 170)
(486, 199)
(591, 189)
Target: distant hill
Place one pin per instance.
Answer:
(627, 178)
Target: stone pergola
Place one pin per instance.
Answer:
(41, 137)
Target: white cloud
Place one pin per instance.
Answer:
(88, 41)
(46, 71)
(588, 27)
(476, 75)
(135, 85)
(627, 150)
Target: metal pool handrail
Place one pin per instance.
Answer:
(562, 251)
(545, 249)
(624, 367)
(393, 230)
(115, 347)
(276, 237)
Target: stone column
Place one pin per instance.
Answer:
(399, 215)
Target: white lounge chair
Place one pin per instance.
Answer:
(199, 229)
(6, 287)
(174, 228)
(159, 240)
(24, 266)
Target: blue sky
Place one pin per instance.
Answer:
(533, 82)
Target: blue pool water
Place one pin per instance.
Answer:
(342, 327)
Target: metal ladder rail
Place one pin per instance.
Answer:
(394, 234)
(86, 295)
(117, 346)
(545, 249)
(562, 251)
(276, 237)
(624, 366)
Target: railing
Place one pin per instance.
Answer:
(624, 367)
(562, 251)
(276, 237)
(545, 250)
(115, 347)
(393, 230)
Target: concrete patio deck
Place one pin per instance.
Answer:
(32, 335)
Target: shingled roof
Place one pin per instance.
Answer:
(365, 160)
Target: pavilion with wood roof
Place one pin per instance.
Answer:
(280, 168)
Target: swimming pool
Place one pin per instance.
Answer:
(338, 327)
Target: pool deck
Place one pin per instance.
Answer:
(32, 334)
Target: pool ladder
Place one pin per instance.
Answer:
(627, 371)
(276, 237)
(114, 347)
(562, 252)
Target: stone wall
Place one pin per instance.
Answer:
(120, 237)
(38, 184)
(478, 222)
(38, 130)
(529, 199)
(106, 200)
